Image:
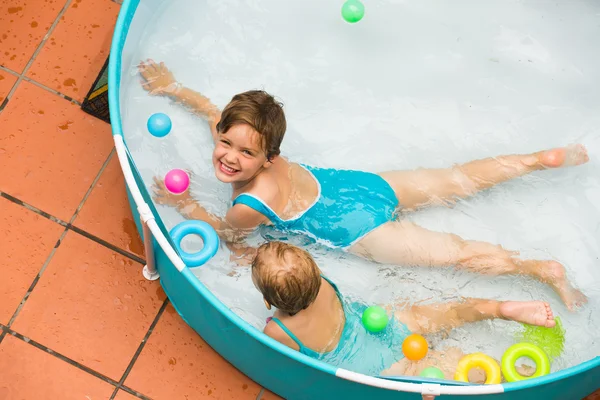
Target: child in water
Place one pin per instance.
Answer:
(351, 210)
(314, 318)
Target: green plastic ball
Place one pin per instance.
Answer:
(375, 319)
(353, 11)
(432, 372)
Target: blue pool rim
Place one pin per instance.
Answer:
(576, 381)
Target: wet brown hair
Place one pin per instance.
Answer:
(262, 112)
(287, 276)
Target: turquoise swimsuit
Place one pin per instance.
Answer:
(349, 205)
(359, 350)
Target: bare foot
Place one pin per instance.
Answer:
(555, 275)
(528, 312)
(575, 154)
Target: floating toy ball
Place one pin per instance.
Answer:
(353, 11)
(415, 347)
(478, 360)
(375, 319)
(432, 372)
(159, 124)
(177, 181)
(542, 362)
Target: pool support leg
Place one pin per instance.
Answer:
(149, 271)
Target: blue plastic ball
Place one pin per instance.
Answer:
(159, 124)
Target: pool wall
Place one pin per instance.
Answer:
(276, 367)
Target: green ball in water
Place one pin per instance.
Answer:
(432, 372)
(375, 319)
(353, 11)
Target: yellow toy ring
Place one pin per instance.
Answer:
(478, 360)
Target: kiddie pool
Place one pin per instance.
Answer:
(276, 367)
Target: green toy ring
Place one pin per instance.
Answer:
(514, 352)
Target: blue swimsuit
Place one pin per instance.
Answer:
(357, 349)
(349, 205)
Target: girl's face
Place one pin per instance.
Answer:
(238, 156)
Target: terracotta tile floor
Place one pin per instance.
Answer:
(78, 320)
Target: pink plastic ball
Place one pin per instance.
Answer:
(177, 181)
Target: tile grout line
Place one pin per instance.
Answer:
(36, 83)
(82, 203)
(10, 71)
(73, 228)
(58, 355)
(7, 331)
(60, 239)
(37, 278)
(33, 208)
(46, 37)
(91, 188)
(140, 347)
(2, 332)
(35, 54)
(49, 89)
(106, 244)
(132, 392)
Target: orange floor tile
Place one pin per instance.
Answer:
(106, 212)
(123, 395)
(28, 239)
(176, 359)
(77, 319)
(52, 150)
(66, 65)
(7, 80)
(91, 305)
(31, 373)
(23, 24)
(268, 395)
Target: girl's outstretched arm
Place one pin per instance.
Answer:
(158, 80)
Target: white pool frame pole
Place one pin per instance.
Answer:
(149, 226)
(149, 271)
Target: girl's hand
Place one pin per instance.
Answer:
(157, 79)
(164, 197)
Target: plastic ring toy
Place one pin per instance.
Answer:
(478, 360)
(208, 235)
(529, 350)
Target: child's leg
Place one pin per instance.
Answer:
(408, 244)
(424, 187)
(433, 318)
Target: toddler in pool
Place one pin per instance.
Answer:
(314, 318)
(352, 210)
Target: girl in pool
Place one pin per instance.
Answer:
(314, 318)
(352, 210)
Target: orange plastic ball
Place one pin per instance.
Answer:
(415, 347)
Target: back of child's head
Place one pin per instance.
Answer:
(287, 276)
(262, 112)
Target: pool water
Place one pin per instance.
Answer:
(416, 83)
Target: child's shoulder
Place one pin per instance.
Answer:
(273, 330)
(266, 188)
